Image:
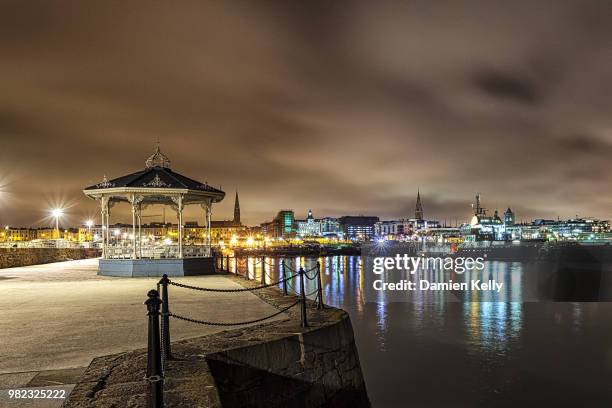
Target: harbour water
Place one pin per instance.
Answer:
(471, 353)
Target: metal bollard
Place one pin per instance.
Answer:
(304, 322)
(284, 279)
(165, 313)
(263, 270)
(320, 304)
(246, 271)
(154, 365)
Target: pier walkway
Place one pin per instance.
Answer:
(57, 317)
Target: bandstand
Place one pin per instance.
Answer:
(136, 255)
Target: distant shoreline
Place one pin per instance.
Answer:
(299, 251)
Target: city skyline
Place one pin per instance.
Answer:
(352, 117)
(167, 217)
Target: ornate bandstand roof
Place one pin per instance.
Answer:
(156, 183)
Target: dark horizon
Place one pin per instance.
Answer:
(342, 108)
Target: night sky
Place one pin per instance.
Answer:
(345, 108)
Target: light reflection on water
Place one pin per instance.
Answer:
(465, 353)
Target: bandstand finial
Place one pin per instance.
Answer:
(157, 159)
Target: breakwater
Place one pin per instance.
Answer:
(14, 257)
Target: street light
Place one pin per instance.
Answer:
(89, 224)
(57, 213)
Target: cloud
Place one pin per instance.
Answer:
(505, 86)
(341, 107)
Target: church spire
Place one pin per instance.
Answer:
(237, 210)
(418, 210)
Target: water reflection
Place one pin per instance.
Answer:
(499, 351)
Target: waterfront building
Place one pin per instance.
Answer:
(390, 229)
(266, 229)
(330, 227)
(91, 233)
(412, 226)
(224, 231)
(13, 234)
(509, 218)
(572, 229)
(358, 227)
(46, 233)
(309, 227)
(442, 235)
(282, 226)
(483, 227)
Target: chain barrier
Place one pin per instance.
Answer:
(159, 351)
(313, 278)
(305, 270)
(191, 320)
(267, 285)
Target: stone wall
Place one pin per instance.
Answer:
(318, 368)
(276, 364)
(12, 257)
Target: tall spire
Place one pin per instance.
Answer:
(418, 210)
(237, 210)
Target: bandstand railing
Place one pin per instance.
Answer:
(158, 252)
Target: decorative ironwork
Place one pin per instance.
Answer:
(178, 201)
(156, 182)
(157, 159)
(105, 183)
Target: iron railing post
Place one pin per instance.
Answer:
(320, 304)
(154, 364)
(263, 270)
(165, 313)
(304, 320)
(284, 278)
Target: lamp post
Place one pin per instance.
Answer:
(89, 224)
(57, 213)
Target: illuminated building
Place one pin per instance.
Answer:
(309, 227)
(90, 233)
(45, 233)
(12, 234)
(413, 225)
(282, 226)
(483, 227)
(330, 227)
(509, 219)
(389, 229)
(358, 227)
(226, 229)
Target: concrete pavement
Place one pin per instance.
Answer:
(56, 317)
